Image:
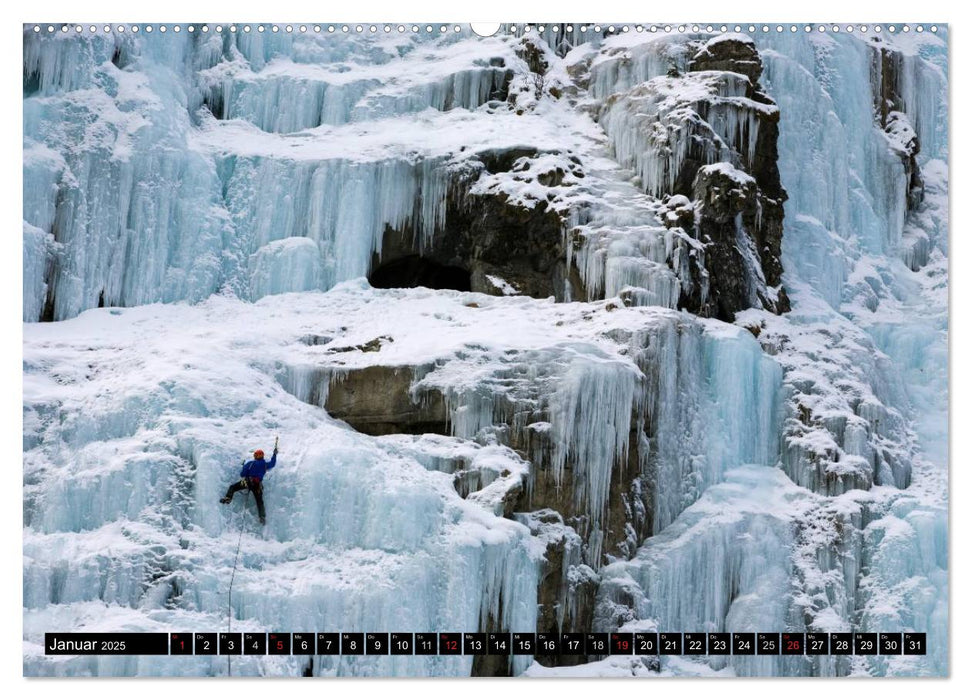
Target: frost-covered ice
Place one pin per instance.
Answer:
(136, 418)
(223, 198)
(866, 382)
(129, 450)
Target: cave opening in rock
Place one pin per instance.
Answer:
(417, 271)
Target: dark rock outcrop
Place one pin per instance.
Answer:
(489, 234)
(750, 256)
(376, 400)
(887, 71)
(567, 589)
(739, 263)
(904, 142)
(629, 512)
(729, 54)
(714, 113)
(533, 52)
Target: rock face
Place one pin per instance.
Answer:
(567, 589)
(491, 234)
(886, 78)
(670, 129)
(629, 512)
(730, 54)
(904, 142)
(749, 254)
(377, 400)
(742, 267)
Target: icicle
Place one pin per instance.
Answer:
(591, 417)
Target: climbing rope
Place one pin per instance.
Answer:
(229, 611)
(232, 579)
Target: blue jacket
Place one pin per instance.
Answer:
(257, 468)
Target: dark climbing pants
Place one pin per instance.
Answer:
(255, 487)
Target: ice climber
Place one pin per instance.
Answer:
(252, 475)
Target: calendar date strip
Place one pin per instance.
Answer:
(593, 644)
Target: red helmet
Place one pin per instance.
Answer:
(258, 454)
